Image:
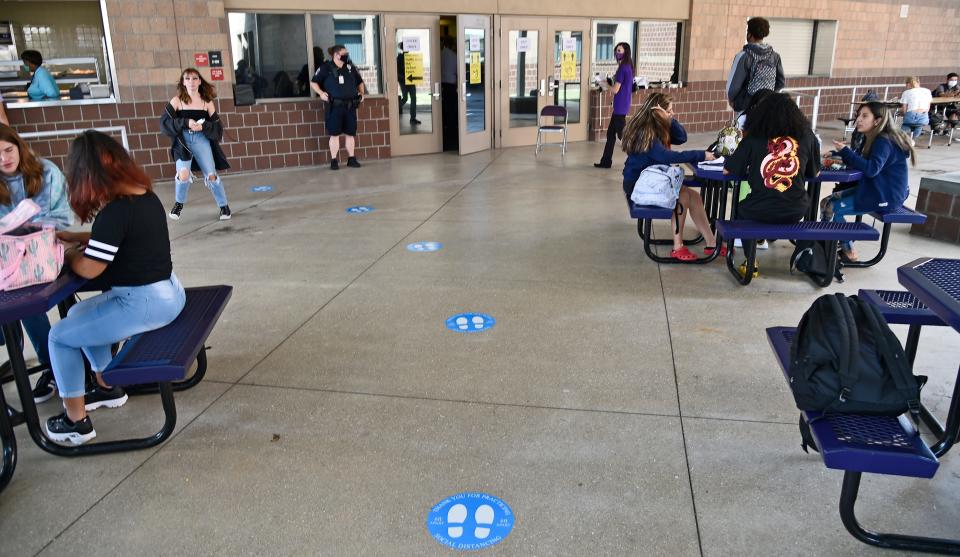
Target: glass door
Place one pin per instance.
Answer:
(413, 84)
(474, 83)
(568, 84)
(523, 79)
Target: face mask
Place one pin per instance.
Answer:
(952, 83)
(26, 68)
(618, 56)
(345, 58)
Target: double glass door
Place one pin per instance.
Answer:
(416, 89)
(543, 61)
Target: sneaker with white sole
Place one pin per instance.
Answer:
(175, 212)
(45, 388)
(763, 244)
(225, 212)
(62, 430)
(98, 397)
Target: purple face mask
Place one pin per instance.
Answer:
(618, 56)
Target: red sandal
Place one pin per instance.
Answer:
(708, 251)
(683, 254)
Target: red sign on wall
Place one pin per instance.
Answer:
(216, 74)
(200, 58)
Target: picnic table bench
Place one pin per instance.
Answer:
(750, 231)
(900, 215)
(858, 444)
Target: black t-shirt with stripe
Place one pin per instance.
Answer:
(130, 236)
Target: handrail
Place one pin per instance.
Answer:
(853, 96)
(56, 133)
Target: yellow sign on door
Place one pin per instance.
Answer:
(413, 68)
(475, 75)
(568, 65)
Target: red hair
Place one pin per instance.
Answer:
(97, 169)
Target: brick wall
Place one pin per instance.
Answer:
(942, 209)
(146, 34)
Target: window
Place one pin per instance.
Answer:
(805, 45)
(655, 46)
(359, 33)
(606, 39)
(270, 54)
(70, 37)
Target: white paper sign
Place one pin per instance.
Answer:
(411, 44)
(475, 44)
(569, 44)
(523, 44)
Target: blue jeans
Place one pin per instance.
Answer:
(913, 122)
(38, 330)
(842, 204)
(199, 145)
(94, 324)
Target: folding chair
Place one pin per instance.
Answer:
(552, 112)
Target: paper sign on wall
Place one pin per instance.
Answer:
(569, 44)
(475, 75)
(475, 44)
(411, 44)
(216, 74)
(412, 68)
(523, 44)
(568, 66)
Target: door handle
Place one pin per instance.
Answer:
(463, 88)
(554, 84)
(436, 90)
(543, 85)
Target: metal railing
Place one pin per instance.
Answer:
(802, 92)
(58, 133)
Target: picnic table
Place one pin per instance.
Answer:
(936, 283)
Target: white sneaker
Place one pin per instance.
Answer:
(737, 243)
(762, 244)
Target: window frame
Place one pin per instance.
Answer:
(308, 30)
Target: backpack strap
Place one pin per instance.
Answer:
(849, 346)
(896, 361)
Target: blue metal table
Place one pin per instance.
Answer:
(936, 283)
(15, 305)
(832, 176)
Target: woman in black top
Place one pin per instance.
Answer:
(778, 154)
(191, 121)
(127, 252)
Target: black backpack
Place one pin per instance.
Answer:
(844, 358)
(812, 257)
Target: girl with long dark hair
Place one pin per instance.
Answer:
(191, 121)
(126, 254)
(621, 85)
(884, 186)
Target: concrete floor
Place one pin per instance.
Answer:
(619, 407)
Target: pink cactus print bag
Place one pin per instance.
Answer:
(29, 254)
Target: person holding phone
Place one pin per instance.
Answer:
(191, 121)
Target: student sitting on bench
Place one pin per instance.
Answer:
(646, 141)
(778, 154)
(884, 185)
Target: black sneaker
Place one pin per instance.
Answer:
(61, 429)
(415, 122)
(175, 212)
(225, 212)
(334, 164)
(45, 388)
(602, 165)
(98, 397)
(352, 162)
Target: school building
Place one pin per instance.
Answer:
(122, 58)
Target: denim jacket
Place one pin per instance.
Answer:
(54, 207)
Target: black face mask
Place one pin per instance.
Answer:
(345, 58)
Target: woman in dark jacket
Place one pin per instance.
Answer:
(884, 185)
(191, 121)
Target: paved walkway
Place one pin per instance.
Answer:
(619, 407)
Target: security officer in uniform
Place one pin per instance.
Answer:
(339, 84)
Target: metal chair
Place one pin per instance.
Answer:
(552, 112)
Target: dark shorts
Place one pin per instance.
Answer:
(341, 120)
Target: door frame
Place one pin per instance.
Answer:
(419, 143)
(477, 141)
(580, 130)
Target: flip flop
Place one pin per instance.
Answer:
(683, 254)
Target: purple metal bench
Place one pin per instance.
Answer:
(901, 215)
(160, 359)
(874, 444)
(749, 232)
(646, 214)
